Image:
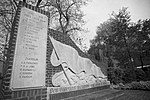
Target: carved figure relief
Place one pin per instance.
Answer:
(76, 69)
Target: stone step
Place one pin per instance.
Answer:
(106, 94)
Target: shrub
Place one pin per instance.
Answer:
(140, 75)
(142, 85)
(115, 75)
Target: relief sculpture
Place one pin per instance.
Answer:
(76, 69)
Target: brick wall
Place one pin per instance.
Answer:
(50, 69)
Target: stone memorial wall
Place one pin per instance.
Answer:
(43, 63)
(57, 92)
(64, 41)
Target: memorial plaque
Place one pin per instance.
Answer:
(29, 64)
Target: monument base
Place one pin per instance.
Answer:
(39, 93)
(53, 93)
(57, 93)
(73, 94)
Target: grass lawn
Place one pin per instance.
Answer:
(134, 95)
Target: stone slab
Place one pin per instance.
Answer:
(30, 51)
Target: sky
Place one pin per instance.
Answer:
(98, 11)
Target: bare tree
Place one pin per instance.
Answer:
(7, 12)
(65, 16)
(66, 13)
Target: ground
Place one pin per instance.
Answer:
(134, 95)
(112, 94)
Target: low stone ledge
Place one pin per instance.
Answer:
(57, 93)
(54, 90)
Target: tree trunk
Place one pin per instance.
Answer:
(130, 58)
(142, 64)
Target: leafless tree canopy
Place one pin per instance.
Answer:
(65, 16)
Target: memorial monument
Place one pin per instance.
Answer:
(44, 64)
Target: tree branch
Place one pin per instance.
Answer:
(2, 12)
(8, 22)
(69, 7)
(72, 29)
(60, 17)
(14, 3)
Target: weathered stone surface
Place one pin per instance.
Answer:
(77, 70)
(30, 51)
